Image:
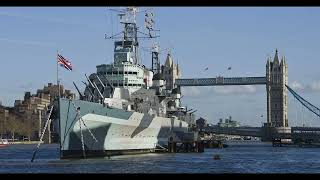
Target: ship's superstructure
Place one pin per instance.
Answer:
(125, 107)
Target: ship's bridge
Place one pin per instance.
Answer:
(123, 75)
(123, 52)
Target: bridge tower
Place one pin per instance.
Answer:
(277, 93)
(171, 72)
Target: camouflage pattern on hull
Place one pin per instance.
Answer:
(117, 131)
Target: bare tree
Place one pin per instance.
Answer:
(2, 125)
(14, 125)
(29, 127)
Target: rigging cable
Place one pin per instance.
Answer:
(82, 141)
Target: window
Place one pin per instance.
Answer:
(285, 100)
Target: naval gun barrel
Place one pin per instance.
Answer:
(98, 90)
(80, 94)
(88, 88)
(100, 82)
(89, 81)
(93, 84)
(109, 82)
(193, 111)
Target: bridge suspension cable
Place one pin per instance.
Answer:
(305, 103)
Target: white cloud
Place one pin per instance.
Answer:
(198, 92)
(297, 86)
(248, 89)
(315, 86)
(191, 91)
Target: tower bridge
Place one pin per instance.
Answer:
(276, 82)
(221, 81)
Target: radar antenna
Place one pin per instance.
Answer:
(128, 16)
(128, 37)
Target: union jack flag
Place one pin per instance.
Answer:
(63, 62)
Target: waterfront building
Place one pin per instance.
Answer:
(228, 123)
(27, 117)
(4, 115)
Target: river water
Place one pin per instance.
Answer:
(239, 157)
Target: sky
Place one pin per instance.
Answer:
(198, 37)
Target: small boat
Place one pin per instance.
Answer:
(4, 142)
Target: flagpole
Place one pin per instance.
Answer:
(58, 75)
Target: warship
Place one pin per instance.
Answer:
(125, 107)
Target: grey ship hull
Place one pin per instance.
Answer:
(117, 131)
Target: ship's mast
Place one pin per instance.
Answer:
(149, 25)
(128, 19)
(129, 40)
(155, 59)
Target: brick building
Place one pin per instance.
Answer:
(28, 116)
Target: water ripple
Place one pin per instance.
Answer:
(251, 157)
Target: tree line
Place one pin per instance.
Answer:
(17, 127)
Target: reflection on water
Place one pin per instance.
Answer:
(239, 157)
